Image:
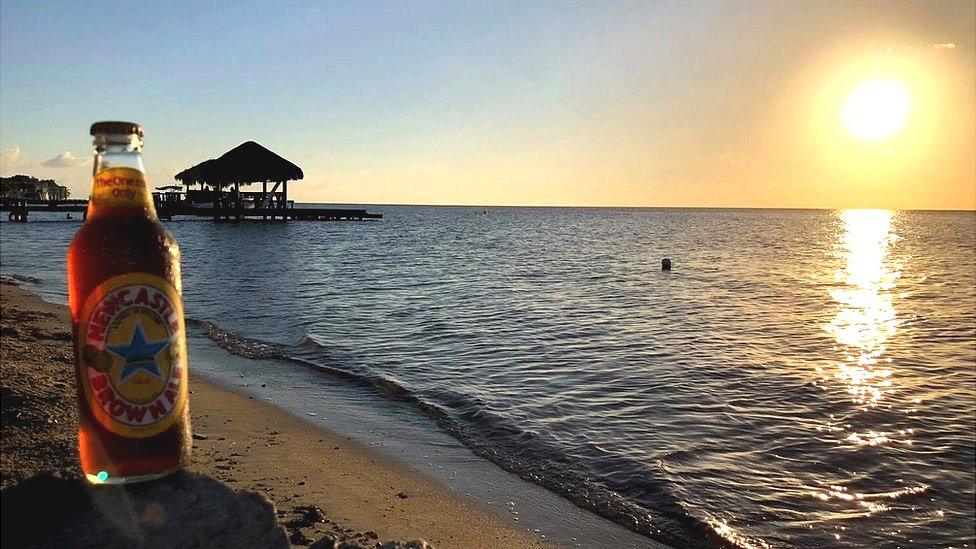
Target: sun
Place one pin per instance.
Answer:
(876, 109)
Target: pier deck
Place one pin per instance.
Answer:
(299, 214)
(19, 209)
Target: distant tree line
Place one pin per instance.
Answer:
(32, 188)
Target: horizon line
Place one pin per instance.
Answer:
(642, 207)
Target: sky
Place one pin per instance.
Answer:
(599, 103)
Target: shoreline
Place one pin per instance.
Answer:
(322, 483)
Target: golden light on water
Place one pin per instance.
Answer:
(870, 503)
(876, 109)
(723, 529)
(867, 316)
(867, 320)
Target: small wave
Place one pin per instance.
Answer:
(496, 438)
(20, 279)
(241, 346)
(660, 515)
(262, 350)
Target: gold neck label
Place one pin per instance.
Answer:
(120, 187)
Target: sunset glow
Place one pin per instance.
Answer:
(768, 104)
(876, 109)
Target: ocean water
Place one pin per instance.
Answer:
(799, 379)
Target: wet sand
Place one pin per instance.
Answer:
(322, 483)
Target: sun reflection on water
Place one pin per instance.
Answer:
(867, 317)
(865, 293)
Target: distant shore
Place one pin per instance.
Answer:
(322, 483)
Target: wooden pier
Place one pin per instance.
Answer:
(268, 214)
(19, 209)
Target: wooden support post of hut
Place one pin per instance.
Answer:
(238, 205)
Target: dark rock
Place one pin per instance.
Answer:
(412, 544)
(198, 436)
(181, 510)
(309, 515)
(328, 542)
(402, 495)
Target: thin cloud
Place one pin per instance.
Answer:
(65, 160)
(12, 159)
(910, 47)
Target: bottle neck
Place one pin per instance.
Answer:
(119, 184)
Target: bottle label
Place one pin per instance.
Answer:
(133, 354)
(120, 187)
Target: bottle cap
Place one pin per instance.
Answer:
(116, 128)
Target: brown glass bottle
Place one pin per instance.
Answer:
(124, 291)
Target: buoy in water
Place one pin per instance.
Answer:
(666, 264)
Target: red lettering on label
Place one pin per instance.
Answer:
(96, 329)
(157, 409)
(116, 302)
(142, 298)
(123, 193)
(99, 382)
(135, 413)
(170, 395)
(104, 181)
(103, 317)
(116, 407)
(105, 396)
(107, 309)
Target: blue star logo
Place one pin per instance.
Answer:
(139, 354)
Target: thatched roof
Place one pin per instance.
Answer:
(246, 163)
(204, 172)
(252, 163)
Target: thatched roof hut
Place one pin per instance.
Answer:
(246, 163)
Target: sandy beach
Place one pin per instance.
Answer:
(321, 483)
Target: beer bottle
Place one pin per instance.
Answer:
(127, 322)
